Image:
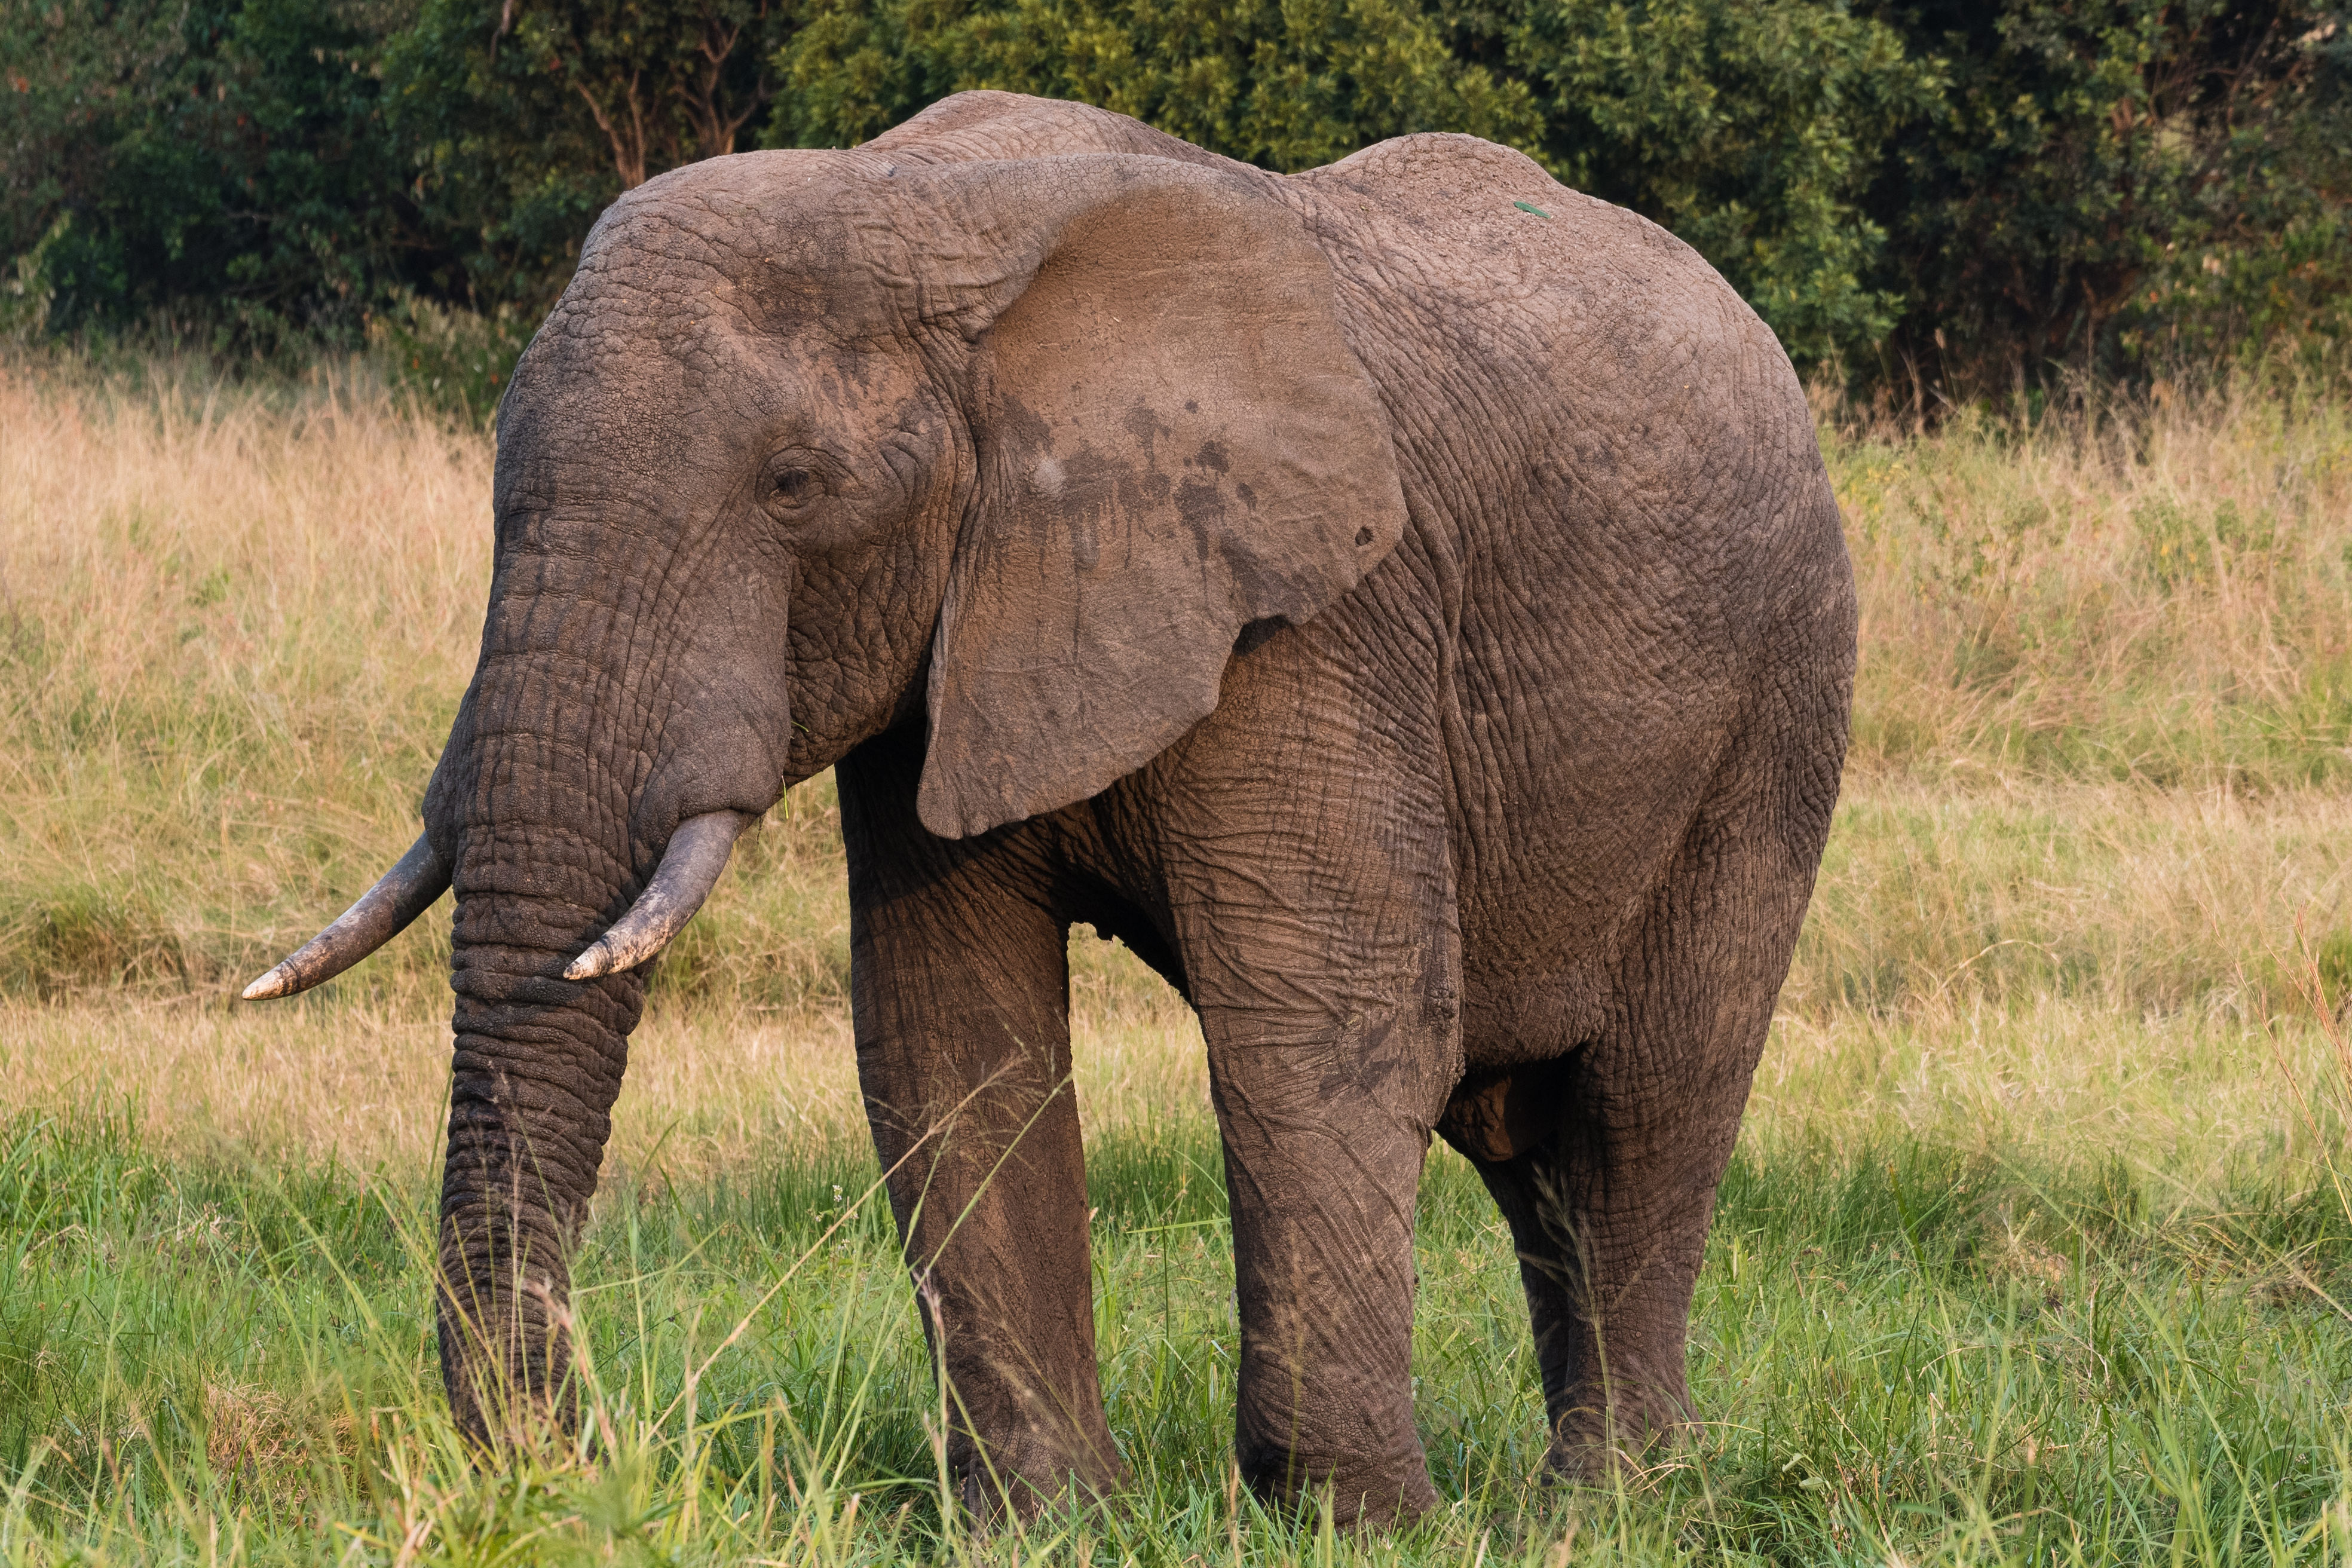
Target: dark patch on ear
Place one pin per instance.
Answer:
(1201, 509)
(1146, 427)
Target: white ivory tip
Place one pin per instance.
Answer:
(597, 961)
(273, 983)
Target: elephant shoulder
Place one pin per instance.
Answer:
(1480, 220)
(986, 125)
(1544, 284)
(1634, 370)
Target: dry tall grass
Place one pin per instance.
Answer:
(2103, 714)
(2159, 594)
(2102, 737)
(233, 625)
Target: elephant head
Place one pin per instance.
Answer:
(816, 445)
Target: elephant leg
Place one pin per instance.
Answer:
(1605, 1162)
(1322, 1166)
(1311, 889)
(960, 988)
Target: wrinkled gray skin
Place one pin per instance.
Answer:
(1418, 627)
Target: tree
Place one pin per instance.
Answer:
(1752, 129)
(1287, 86)
(2116, 183)
(526, 118)
(1943, 194)
(665, 84)
(229, 159)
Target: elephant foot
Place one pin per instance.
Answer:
(1592, 1443)
(1363, 1496)
(1024, 1481)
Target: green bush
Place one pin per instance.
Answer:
(456, 361)
(2120, 185)
(1287, 86)
(224, 166)
(1750, 128)
(1946, 200)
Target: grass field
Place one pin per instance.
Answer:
(2037, 1247)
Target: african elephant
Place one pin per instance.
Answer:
(1405, 602)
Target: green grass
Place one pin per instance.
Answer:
(2037, 1248)
(1905, 1352)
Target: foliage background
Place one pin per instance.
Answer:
(1938, 202)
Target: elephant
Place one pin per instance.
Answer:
(1403, 601)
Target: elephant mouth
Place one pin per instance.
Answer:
(697, 853)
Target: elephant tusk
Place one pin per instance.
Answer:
(383, 913)
(697, 853)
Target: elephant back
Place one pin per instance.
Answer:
(985, 125)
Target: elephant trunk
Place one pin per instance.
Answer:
(576, 851)
(537, 802)
(536, 1066)
(633, 682)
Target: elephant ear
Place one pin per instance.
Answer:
(1174, 443)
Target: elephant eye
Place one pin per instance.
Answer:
(791, 486)
(797, 478)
